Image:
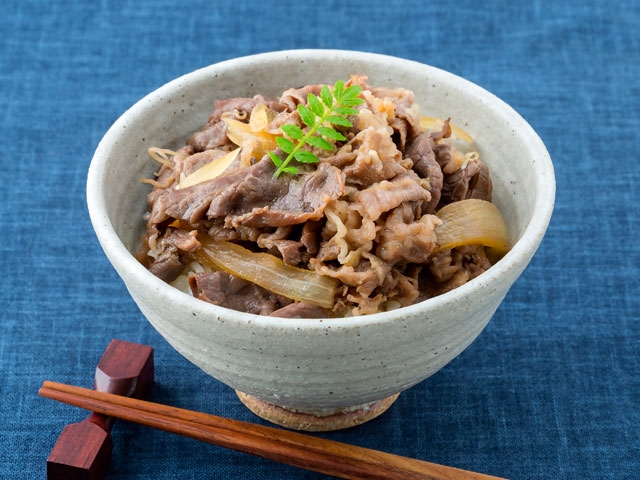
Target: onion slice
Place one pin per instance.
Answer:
(209, 171)
(239, 133)
(261, 116)
(268, 271)
(472, 222)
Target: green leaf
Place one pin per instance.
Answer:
(352, 92)
(341, 121)
(307, 115)
(293, 131)
(319, 142)
(277, 161)
(304, 156)
(285, 144)
(330, 108)
(330, 133)
(346, 111)
(327, 97)
(351, 102)
(315, 105)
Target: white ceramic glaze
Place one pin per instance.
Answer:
(318, 365)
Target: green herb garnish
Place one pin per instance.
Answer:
(331, 108)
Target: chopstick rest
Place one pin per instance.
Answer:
(83, 450)
(293, 448)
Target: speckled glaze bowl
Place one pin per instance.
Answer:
(318, 374)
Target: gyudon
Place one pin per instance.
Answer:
(327, 201)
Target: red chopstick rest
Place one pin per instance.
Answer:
(83, 450)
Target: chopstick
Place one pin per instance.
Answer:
(305, 451)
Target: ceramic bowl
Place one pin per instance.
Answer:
(318, 374)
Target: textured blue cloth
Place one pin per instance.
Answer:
(549, 390)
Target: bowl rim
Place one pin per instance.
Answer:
(122, 259)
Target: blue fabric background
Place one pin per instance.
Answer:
(551, 387)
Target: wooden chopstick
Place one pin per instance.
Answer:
(297, 449)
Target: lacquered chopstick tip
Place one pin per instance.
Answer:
(46, 388)
(43, 388)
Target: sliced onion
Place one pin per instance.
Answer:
(472, 222)
(209, 171)
(239, 133)
(261, 117)
(268, 271)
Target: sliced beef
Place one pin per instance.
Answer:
(449, 269)
(420, 151)
(310, 237)
(239, 108)
(442, 152)
(191, 203)
(406, 118)
(296, 96)
(212, 136)
(232, 292)
(253, 197)
(406, 237)
(282, 244)
(370, 273)
(180, 239)
(401, 289)
(471, 181)
(301, 310)
(264, 201)
(374, 157)
(167, 264)
(167, 267)
(387, 195)
(218, 231)
(291, 251)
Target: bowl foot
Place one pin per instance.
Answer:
(324, 421)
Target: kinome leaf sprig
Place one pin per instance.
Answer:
(331, 108)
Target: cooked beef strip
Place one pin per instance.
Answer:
(293, 97)
(374, 157)
(420, 150)
(228, 291)
(281, 243)
(387, 195)
(169, 247)
(310, 237)
(301, 310)
(448, 269)
(253, 197)
(213, 136)
(266, 201)
(167, 268)
(240, 107)
(472, 181)
(406, 237)
(191, 203)
(406, 119)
